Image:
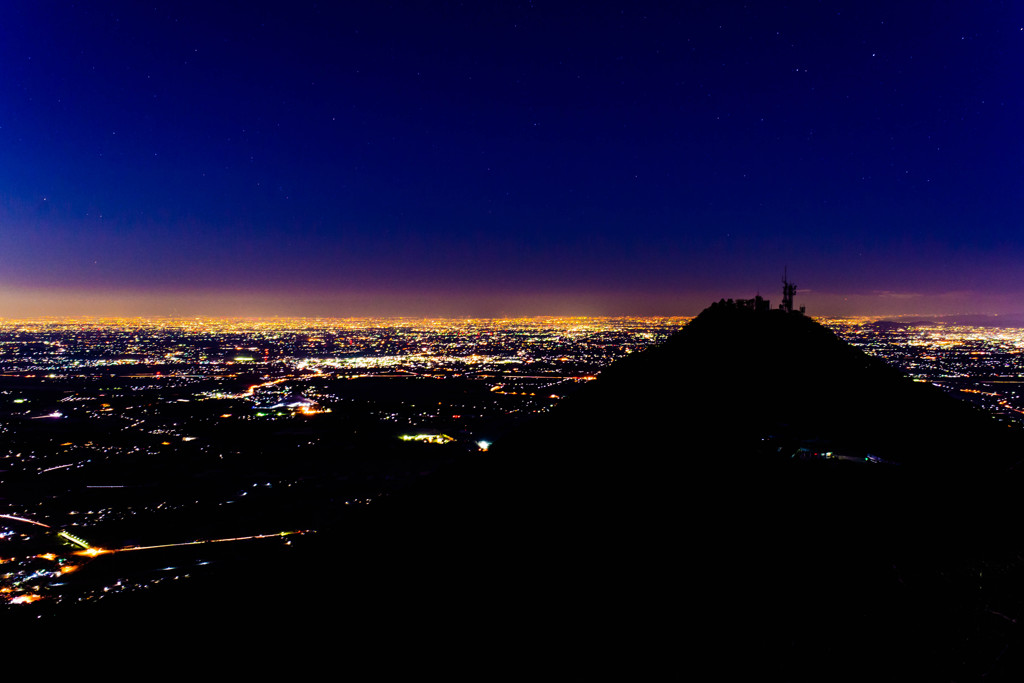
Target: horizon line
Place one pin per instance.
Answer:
(22, 303)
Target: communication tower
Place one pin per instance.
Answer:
(788, 292)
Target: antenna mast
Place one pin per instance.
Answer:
(788, 292)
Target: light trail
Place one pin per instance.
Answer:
(22, 519)
(57, 467)
(212, 540)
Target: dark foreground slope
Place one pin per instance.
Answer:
(673, 511)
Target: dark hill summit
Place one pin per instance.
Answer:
(739, 393)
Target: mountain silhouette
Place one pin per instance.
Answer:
(791, 503)
(733, 378)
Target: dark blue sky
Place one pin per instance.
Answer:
(450, 159)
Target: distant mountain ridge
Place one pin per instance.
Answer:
(889, 325)
(975, 320)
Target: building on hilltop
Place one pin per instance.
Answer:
(761, 305)
(757, 304)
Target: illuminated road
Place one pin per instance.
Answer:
(92, 551)
(251, 391)
(211, 540)
(22, 519)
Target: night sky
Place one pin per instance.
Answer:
(481, 159)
